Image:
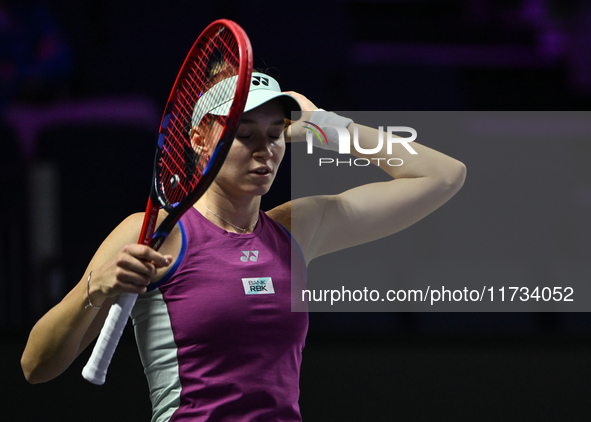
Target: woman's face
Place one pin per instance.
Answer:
(257, 151)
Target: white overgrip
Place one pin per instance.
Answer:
(96, 368)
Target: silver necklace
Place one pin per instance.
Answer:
(226, 221)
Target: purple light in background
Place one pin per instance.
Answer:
(449, 55)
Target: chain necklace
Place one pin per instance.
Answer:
(226, 221)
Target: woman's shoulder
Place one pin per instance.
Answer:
(282, 215)
(302, 217)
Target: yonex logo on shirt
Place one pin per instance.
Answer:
(247, 256)
(258, 286)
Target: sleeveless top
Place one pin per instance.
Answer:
(217, 335)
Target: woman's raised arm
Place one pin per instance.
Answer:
(424, 182)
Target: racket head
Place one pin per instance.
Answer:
(192, 146)
(193, 143)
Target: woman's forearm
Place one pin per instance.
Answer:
(56, 339)
(119, 266)
(401, 163)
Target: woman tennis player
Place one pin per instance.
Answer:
(211, 350)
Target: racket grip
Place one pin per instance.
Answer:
(95, 370)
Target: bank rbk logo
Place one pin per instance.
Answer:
(252, 255)
(258, 286)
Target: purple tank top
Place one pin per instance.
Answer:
(221, 322)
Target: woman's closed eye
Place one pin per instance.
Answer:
(244, 136)
(249, 136)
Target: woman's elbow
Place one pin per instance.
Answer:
(454, 177)
(29, 371)
(32, 370)
(460, 174)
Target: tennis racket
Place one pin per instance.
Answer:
(192, 146)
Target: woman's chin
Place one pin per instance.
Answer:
(257, 190)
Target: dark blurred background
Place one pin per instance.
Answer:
(82, 85)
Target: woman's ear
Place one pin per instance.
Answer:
(198, 142)
(193, 136)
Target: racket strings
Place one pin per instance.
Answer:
(183, 160)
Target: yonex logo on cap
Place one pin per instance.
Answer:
(258, 80)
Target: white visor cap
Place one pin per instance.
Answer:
(263, 88)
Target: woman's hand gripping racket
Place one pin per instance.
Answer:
(191, 149)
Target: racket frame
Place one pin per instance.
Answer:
(155, 238)
(96, 368)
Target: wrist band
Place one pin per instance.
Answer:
(89, 304)
(327, 119)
